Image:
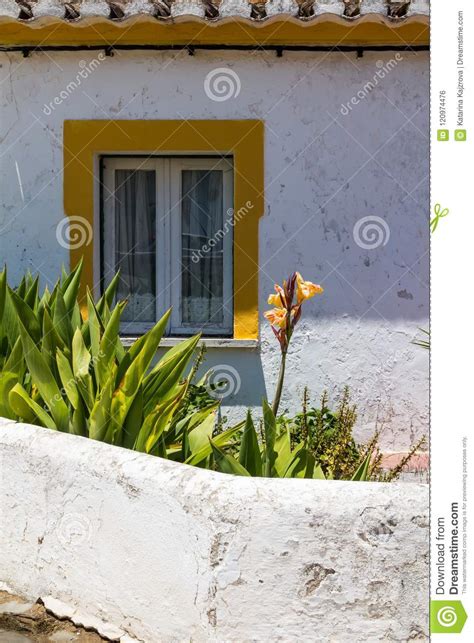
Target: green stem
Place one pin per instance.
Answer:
(279, 388)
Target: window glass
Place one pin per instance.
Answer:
(202, 247)
(135, 242)
(167, 227)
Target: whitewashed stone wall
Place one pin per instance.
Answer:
(144, 549)
(326, 168)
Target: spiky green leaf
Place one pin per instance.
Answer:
(249, 455)
(226, 463)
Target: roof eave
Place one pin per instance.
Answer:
(322, 30)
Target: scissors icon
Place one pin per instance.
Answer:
(439, 214)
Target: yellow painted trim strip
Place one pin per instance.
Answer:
(323, 30)
(85, 140)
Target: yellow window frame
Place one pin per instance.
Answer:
(86, 140)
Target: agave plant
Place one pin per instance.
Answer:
(67, 370)
(274, 457)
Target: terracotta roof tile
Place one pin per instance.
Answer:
(74, 10)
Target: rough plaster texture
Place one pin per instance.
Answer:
(324, 171)
(145, 549)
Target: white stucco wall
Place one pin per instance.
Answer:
(326, 168)
(149, 550)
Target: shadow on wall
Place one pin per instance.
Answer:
(242, 369)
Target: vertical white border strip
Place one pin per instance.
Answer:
(452, 352)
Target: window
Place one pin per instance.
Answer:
(88, 144)
(165, 224)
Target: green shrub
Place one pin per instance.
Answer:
(286, 449)
(330, 437)
(316, 443)
(66, 369)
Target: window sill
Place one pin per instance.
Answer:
(209, 342)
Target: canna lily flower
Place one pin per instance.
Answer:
(277, 316)
(284, 317)
(306, 289)
(279, 299)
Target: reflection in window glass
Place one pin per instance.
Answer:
(202, 276)
(135, 242)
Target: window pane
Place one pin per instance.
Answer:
(202, 276)
(135, 242)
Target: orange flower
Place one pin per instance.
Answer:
(277, 317)
(278, 299)
(306, 289)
